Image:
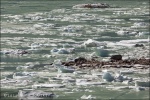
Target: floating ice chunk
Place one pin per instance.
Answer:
(105, 59)
(44, 26)
(57, 62)
(64, 79)
(121, 32)
(64, 69)
(97, 74)
(89, 90)
(39, 25)
(59, 51)
(139, 25)
(119, 77)
(48, 86)
(126, 82)
(68, 59)
(90, 83)
(69, 29)
(16, 82)
(87, 97)
(72, 28)
(35, 46)
(8, 80)
(54, 50)
(21, 76)
(48, 56)
(126, 72)
(23, 67)
(58, 11)
(90, 43)
(107, 77)
(105, 70)
(135, 19)
(62, 51)
(75, 89)
(120, 87)
(143, 33)
(36, 18)
(101, 51)
(90, 76)
(31, 94)
(79, 72)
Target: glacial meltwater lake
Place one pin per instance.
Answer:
(36, 33)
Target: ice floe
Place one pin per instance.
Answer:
(90, 43)
(89, 97)
(28, 94)
(48, 86)
(63, 69)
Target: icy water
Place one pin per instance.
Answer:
(53, 23)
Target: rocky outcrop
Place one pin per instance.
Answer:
(99, 5)
(116, 57)
(141, 63)
(139, 45)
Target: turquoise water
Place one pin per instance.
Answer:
(21, 26)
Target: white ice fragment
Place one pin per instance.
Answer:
(90, 83)
(126, 82)
(62, 50)
(48, 85)
(90, 43)
(122, 32)
(126, 72)
(87, 97)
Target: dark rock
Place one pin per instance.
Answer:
(22, 52)
(116, 57)
(116, 62)
(138, 45)
(80, 59)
